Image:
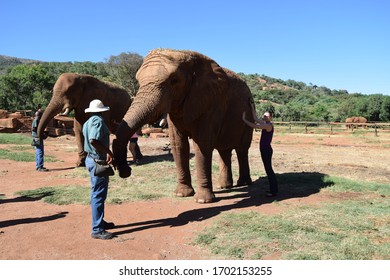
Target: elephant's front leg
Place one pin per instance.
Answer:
(225, 169)
(204, 192)
(180, 148)
(80, 144)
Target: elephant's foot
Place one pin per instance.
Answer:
(225, 184)
(204, 195)
(184, 190)
(244, 181)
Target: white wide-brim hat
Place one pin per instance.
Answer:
(96, 106)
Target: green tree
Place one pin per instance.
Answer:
(374, 105)
(294, 112)
(384, 114)
(265, 107)
(24, 86)
(320, 112)
(352, 105)
(123, 68)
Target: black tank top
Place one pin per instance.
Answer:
(266, 138)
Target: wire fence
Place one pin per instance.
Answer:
(333, 127)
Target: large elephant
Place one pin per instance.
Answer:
(75, 92)
(204, 102)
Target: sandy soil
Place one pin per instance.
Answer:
(165, 229)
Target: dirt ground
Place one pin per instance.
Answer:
(164, 229)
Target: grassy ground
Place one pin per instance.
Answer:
(347, 229)
(20, 149)
(353, 223)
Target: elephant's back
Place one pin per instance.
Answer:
(234, 132)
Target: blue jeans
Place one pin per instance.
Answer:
(99, 188)
(39, 154)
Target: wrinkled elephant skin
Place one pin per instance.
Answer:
(75, 92)
(204, 103)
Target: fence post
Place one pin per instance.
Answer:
(306, 127)
(376, 130)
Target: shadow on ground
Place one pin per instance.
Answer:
(15, 222)
(291, 185)
(26, 198)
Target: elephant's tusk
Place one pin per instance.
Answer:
(66, 112)
(163, 122)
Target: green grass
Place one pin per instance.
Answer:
(21, 149)
(352, 224)
(340, 185)
(344, 229)
(140, 186)
(14, 138)
(21, 154)
(60, 195)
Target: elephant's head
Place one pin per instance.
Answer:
(171, 82)
(67, 95)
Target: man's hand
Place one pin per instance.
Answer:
(109, 158)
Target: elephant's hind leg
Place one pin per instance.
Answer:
(225, 169)
(243, 162)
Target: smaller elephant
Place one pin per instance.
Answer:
(360, 121)
(349, 123)
(354, 122)
(75, 92)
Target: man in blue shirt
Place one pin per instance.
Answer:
(96, 144)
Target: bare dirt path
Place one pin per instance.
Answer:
(164, 229)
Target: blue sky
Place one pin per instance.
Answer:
(340, 44)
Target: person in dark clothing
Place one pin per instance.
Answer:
(39, 149)
(266, 151)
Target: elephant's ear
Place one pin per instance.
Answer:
(209, 83)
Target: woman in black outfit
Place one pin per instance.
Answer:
(266, 151)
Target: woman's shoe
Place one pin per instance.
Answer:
(270, 194)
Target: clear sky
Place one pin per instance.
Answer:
(340, 44)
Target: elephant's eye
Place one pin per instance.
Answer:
(174, 81)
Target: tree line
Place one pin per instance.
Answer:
(296, 101)
(24, 86)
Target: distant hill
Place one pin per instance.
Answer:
(9, 61)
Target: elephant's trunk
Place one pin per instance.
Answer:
(146, 107)
(51, 111)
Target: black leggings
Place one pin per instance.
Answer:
(266, 156)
